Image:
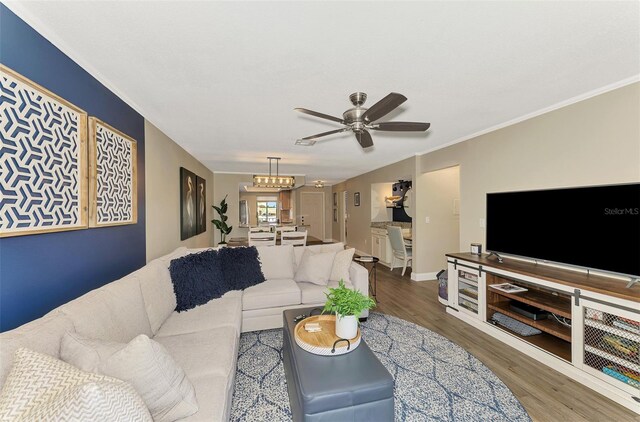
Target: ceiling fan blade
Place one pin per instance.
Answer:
(401, 126)
(320, 135)
(321, 115)
(383, 107)
(364, 139)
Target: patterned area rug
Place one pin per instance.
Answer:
(435, 379)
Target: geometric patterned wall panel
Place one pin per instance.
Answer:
(112, 176)
(43, 159)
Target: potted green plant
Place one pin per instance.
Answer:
(347, 304)
(221, 224)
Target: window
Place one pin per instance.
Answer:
(267, 212)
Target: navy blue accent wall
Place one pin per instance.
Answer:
(40, 272)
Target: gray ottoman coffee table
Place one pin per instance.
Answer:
(350, 387)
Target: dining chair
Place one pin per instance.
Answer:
(293, 238)
(262, 239)
(400, 249)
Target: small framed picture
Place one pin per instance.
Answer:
(356, 199)
(335, 199)
(335, 215)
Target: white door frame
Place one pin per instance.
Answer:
(323, 234)
(343, 217)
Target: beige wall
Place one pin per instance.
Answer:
(359, 218)
(595, 141)
(439, 195)
(163, 159)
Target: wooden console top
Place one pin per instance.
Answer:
(591, 282)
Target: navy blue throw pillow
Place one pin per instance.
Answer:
(197, 278)
(241, 267)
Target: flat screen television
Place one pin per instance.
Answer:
(596, 227)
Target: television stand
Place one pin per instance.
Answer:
(591, 334)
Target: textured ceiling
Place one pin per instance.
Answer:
(222, 78)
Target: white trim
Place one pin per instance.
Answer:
(539, 112)
(423, 276)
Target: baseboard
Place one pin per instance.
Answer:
(423, 276)
(360, 253)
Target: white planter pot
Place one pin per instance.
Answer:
(346, 326)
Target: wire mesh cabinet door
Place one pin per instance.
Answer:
(611, 345)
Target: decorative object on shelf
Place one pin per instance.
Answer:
(277, 181)
(221, 224)
(43, 160)
(509, 288)
(476, 248)
(356, 199)
(347, 305)
(201, 205)
(113, 185)
(188, 205)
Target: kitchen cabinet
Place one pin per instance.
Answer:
(381, 246)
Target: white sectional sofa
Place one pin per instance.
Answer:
(203, 340)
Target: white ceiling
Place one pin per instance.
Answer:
(222, 78)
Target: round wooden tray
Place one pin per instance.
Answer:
(324, 342)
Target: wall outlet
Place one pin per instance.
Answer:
(427, 220)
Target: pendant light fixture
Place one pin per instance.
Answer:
(271, 181)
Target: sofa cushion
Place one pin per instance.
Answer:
(114, 312)
(37, 381)
(143, 362)
(276, 261)
(341, 265)
(217, 407)
(42, 335)
(240, 267)
(206, 352)
(197, 278)
(315, 267)
(271, 293)
(223, 312)
(157, 289)
(312, 293)
(325, 247)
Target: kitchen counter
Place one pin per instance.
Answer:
(384, 224)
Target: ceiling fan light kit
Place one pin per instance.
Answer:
(271, 181)
(360, 120)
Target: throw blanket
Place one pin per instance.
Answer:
(197, 278)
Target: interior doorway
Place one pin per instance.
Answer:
(312, 211)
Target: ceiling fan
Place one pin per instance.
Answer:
(360, 120)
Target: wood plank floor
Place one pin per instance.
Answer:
(545, 393)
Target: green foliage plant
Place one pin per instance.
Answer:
(221, 224)
(344, 301)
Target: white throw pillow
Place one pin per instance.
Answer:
(145, 364)
(315, 267)
(276, 261)
(43, 388)
(341, 264)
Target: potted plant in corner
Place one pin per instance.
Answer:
(221, 224)
(347, 304)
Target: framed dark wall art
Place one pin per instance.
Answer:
(188, 204)
(356, 199)
(113, 171)
(201, 205)
(43, 161)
